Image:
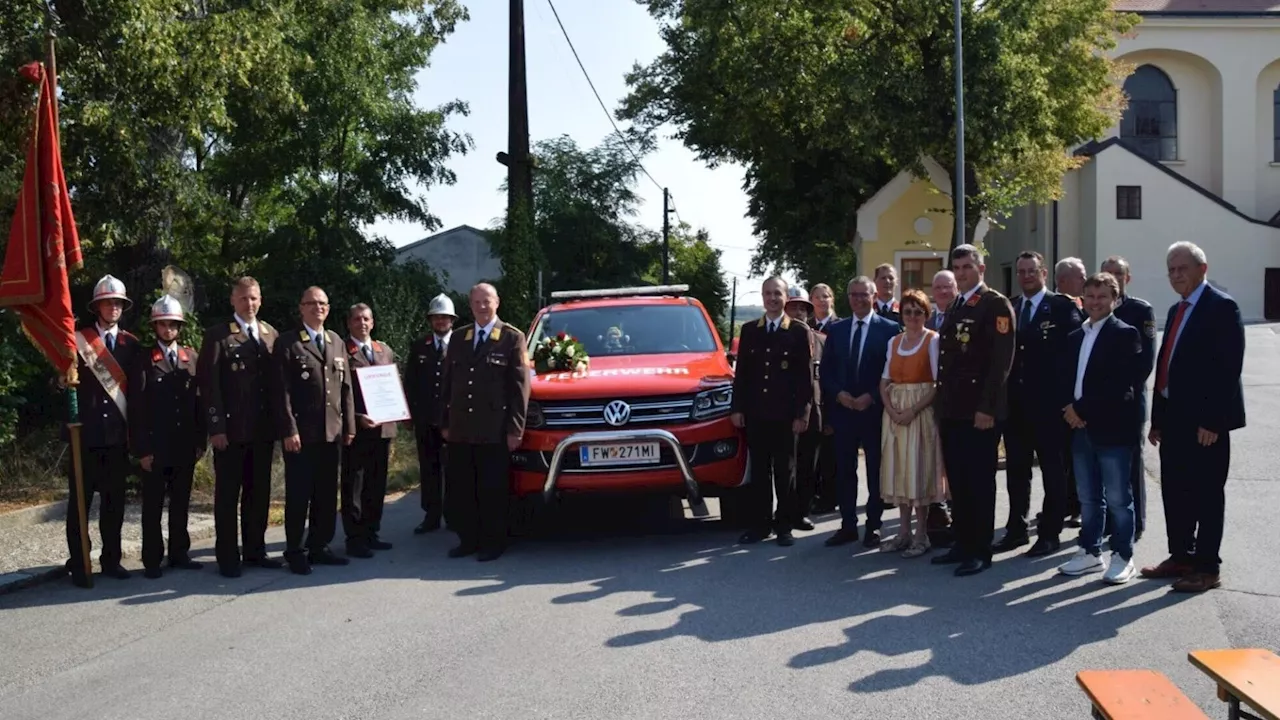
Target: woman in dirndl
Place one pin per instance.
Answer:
(911, 470)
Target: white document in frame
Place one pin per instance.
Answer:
(384, 399)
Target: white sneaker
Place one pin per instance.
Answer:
(1081, 563)
(1120, 571)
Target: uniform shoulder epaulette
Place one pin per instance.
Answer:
(266, 327)
(331, 337)
(127, 334)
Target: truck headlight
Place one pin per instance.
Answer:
(712, 403)
(533, 416)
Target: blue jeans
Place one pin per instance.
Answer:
(1102, 482)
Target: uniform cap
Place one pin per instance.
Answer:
(797, 294)
(167, 308)
(110, 288)
(441, 305)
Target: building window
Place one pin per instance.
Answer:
(1150, 124)
(1275, 123)
(917, 274)
(1128, 202)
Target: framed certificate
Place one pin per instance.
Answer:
(384, 399)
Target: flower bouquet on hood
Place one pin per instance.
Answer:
(561, 353)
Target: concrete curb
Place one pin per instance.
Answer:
(130, 550)
(33, 515)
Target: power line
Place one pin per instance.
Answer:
(595, 92)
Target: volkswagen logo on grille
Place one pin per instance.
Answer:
(617, 413)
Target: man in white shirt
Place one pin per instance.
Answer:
(1099, 402)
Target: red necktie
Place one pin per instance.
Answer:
(1162, 373)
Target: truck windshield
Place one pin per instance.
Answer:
(631, 330)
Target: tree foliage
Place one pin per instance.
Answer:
(824, 101)
(696, 263)
(233, 137)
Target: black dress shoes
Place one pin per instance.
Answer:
(950, 557)
(116, 572)
(1009, 543)
(786, 539)
(377, 543)
(229, 571)
(489, 555)
(184, 564)
(462, 551)
(326, 557)
(804, 524)
(426, 526)
(358, 550)
(298, 564)
(871, 539)
(842, 537)
(1044, 547)
(265, 563)
(153, 573)
(752, 537)
(972, 567)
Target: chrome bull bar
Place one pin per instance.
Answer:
(662, 436)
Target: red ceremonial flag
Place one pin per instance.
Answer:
(43, 242)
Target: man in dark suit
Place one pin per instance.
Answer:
(886, 302)
(422, 385)
(853, 359)
(1138, 313)
(316, 418)
(975, 353)
(772, 398)
(824, 492)
(1042, 321)
(237, 377)
(944, 293)
(1095, 389)
(364, 464)
(106, 354)
(486, 392)
(167, 435)
(808, 443)
(1198, 401)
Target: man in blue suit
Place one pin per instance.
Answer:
(852, 362)
(1198, 401)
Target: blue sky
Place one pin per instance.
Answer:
(610, 36)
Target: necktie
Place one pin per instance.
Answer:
(855, 349)
(772, 326)
(248, 330)
(1162, 372)
(111, 342)
(439, 349)
(480, 336)
(368, 354)
(320, 342)
(173, 359)
(1025, 322)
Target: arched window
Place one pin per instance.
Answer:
(1150, 124)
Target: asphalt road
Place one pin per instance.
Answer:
(664, 621)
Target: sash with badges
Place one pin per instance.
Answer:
(104, 366)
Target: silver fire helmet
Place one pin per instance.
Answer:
(167, 308)
(441, 305)
(110, 288)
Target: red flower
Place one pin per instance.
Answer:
(561, 336)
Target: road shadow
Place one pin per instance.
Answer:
(1010, 620)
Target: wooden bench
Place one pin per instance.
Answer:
(1249, 676)
(1136, 695)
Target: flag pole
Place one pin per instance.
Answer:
(73, 375)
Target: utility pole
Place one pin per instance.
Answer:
(666, 236)
(958, 186)
(516, 158)
(733, 309)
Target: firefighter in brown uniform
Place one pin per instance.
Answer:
(167, 435)
(808, 443)
(235, 373)
(486, 391)
(422, 383)
(772, 398)
(316, 418)
(106, 354)
(364, 464)
(975, 355)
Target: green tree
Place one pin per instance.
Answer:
(856, 90)
(694, 262)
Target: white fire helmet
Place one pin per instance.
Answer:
(441, 305)
(795, 293)
(110, 288)
(167, 308)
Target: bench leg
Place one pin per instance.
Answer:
(1235, 713)
(1097, 715)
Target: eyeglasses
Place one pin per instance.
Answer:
(317, 303)
(912, 312)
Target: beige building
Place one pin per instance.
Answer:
(1196, 157)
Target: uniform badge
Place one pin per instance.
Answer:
(234, 328)
(963, 337)
(1045, 325)
(973, 300)
(1149, 329)
(470, 334)
(235, 367)
(305, 336)
(306, 375)
(497, 333)
(156, 355)
(337, 363)
(1002, 325)
(784, 364)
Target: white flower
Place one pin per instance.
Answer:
(568, 351)
(581, 367)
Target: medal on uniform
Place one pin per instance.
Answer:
(784, 364)
(963, 337)
(306, 375)
(234, 367)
